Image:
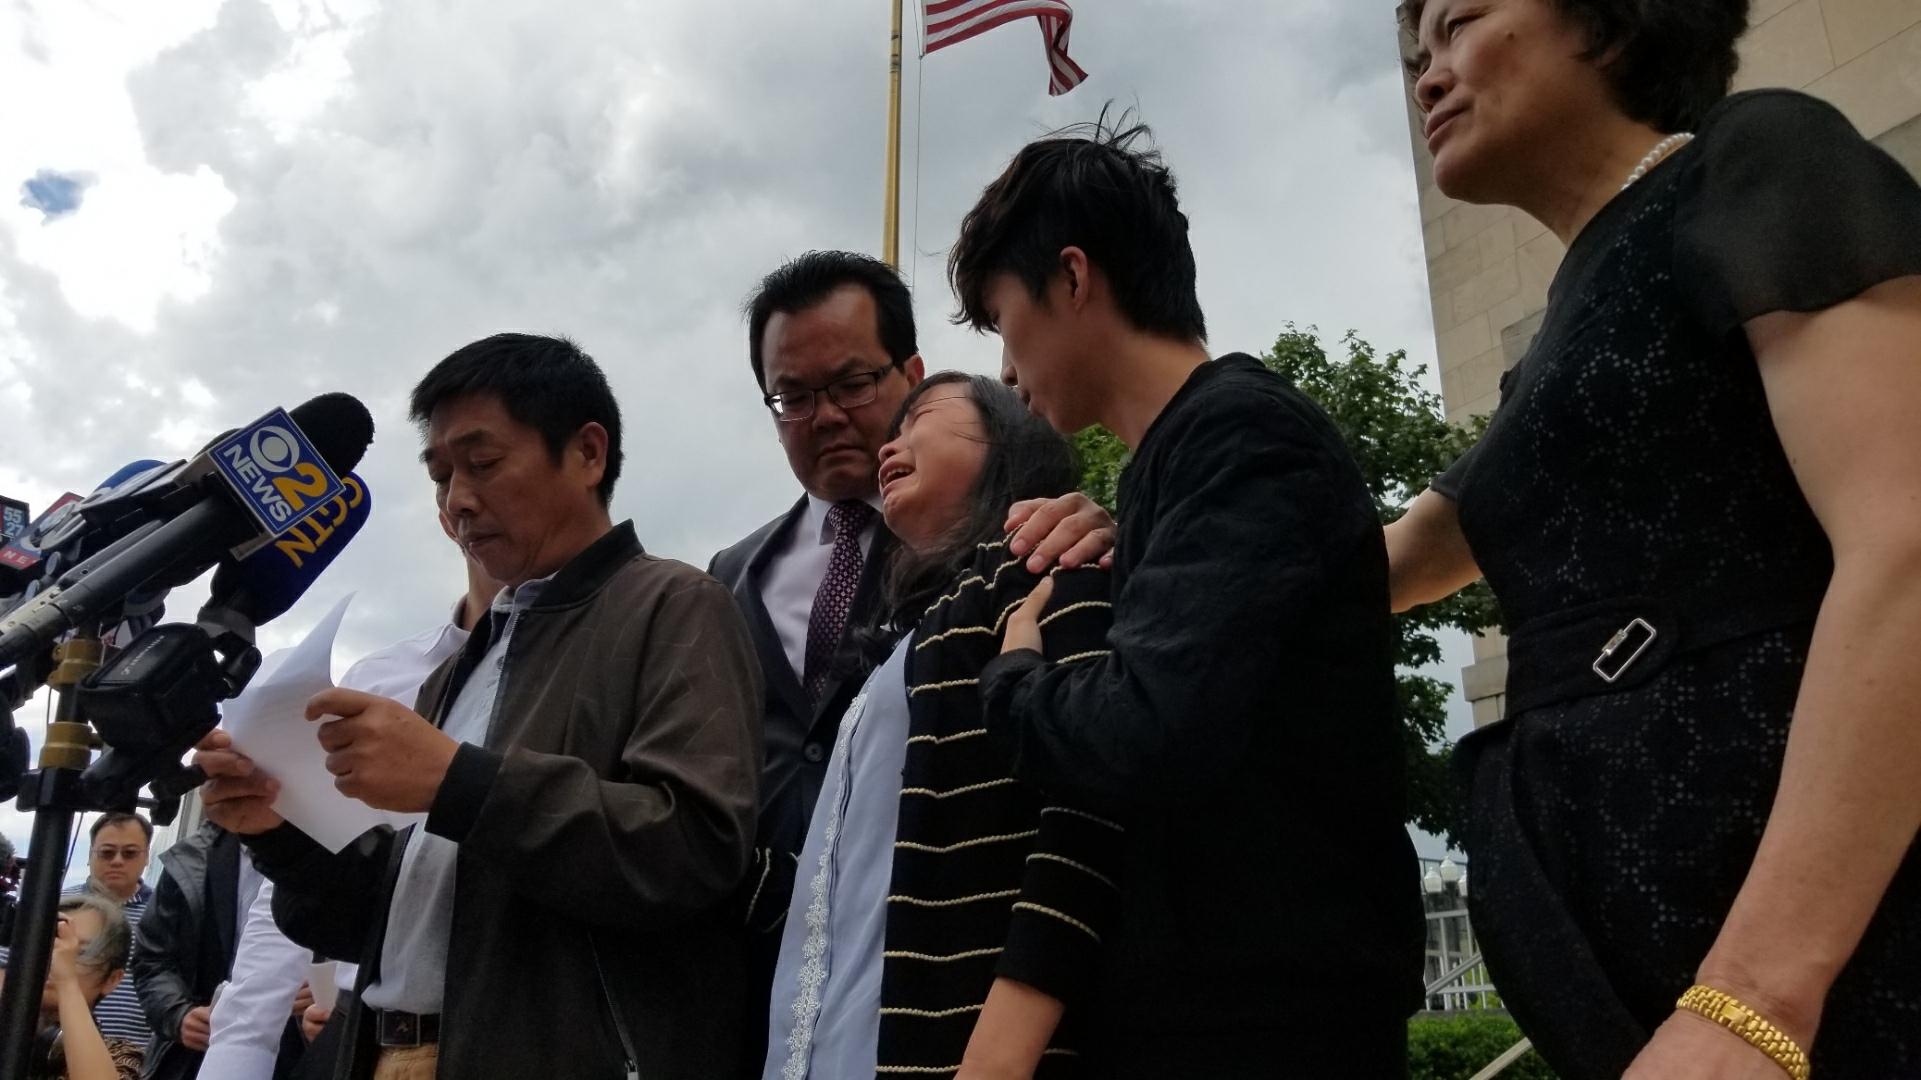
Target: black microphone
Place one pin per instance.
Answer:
(27, 549)
(80, 526)
(260, 481)
(154, 701)
(136, 700)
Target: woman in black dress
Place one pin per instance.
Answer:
(1699, 503)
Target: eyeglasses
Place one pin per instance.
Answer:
(847, 392)
(126, 854)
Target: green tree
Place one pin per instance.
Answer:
(1397, 432)
(1103, 456)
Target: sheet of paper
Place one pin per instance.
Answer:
(268, 723)
(320, 980)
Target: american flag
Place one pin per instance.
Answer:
(950, 22)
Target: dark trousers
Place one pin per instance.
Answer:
(1327, 1043)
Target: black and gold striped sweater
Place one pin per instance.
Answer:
(990, 878)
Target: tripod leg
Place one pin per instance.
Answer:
(33, 938)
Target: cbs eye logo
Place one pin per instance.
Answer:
(274, 449)
(277, 471)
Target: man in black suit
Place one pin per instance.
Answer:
(832, 344)
(831, 340)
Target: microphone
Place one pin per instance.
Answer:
(249, 487)
(127, 472)
(261, 587)
(20, 555)
(72, 519)
(54, 532)
(138, 701)
(40, 551)
(152, 702)
(13, 519)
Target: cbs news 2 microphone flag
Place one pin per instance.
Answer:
(950, 22)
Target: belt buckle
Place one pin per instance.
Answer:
(1615, 645)
(399, 1030)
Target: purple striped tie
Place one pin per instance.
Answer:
(836, 595)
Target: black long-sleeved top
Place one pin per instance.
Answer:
(990, 878)
(1245, 722)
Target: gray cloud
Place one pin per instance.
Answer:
(624, 173)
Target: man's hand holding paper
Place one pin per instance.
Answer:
(267, 764)
(381, 752)
(237, 796)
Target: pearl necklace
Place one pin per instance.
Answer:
(1655, 156)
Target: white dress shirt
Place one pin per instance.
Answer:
(794, 574)
(267, 968)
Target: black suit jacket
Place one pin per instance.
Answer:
(798, 731)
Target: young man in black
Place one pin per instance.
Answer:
(1244, 724)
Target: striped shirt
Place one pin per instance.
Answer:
(991, 878)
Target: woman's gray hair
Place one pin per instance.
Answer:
(108, 950)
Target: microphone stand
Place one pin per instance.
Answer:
(150, 704)
(54, 793)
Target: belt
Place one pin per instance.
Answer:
(1614, 645)
(396, 1028)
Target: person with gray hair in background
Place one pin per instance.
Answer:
(120, 846)
(90, 949)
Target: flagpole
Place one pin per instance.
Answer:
(890, 220)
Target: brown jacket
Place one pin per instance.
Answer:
(602, 828)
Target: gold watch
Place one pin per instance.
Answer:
(1731, 1013)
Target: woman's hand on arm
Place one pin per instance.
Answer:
(1427, 554)
(1024, 625)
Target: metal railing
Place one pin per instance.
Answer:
(1439, 987)
(1458, 978)
(1435, 988)
(1500, 1064)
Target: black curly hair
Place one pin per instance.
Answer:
(1098, 186)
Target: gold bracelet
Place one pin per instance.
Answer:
(1729, 1012)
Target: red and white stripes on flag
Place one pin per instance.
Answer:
(950, 22)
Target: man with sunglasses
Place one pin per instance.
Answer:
(831, 340)
(116, 864)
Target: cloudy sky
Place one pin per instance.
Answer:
(224, 205)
